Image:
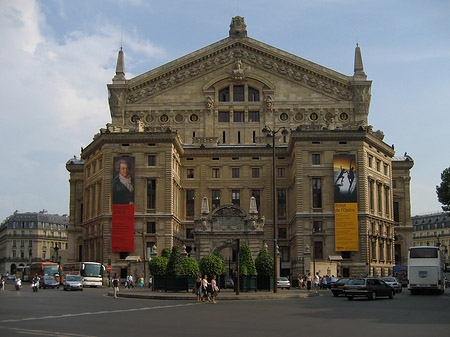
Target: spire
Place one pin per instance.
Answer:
(120, 67)
(359, 68)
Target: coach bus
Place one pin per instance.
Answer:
(23, 272)
(425, 269)
(90, 272)
(44, 268)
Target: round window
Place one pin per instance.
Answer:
(164, 118)
(314, 116)
(193, 118)
(343, 116)
(284, 117)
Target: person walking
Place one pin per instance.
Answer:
(115, 284)
(316, 281)
(308, 282)
(214, 288)
(141, 282)
(198, 288)
(205, 284)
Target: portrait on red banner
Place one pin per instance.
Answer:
(123, 180)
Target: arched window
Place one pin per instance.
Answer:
(224, 95)
(253, 94)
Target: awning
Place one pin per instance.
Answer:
(133, 258)
(335, 257)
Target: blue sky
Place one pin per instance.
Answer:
(58, 55)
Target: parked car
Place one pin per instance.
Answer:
(337, 288)
(48, 281)
(283, 282)
(229, 283)
(367, 287)
(394, 283)
(330, 281)
(73, 282)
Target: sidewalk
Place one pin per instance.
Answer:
(224, 294)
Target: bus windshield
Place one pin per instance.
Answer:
(423, 253)
(92, 270)
(51, 269)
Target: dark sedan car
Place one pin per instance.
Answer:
(367, 287)
(49, 281)
(337, 288)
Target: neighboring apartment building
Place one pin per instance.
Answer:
(30, 237)
(433, 230)
(185, 162)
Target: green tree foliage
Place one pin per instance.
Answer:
(264, 263)
(218, 253)
(165, 252)
(174, 267)
(190, 266)
(246, 264)
(443, 190)
(158, 265)
(211, 265)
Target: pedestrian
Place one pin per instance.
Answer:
(141, 282)
(214, 288)
(324, 284)
(115, 284)
(2, 283)
(150, 282)
(308, 282)
(316, 281)
(205, 284)
(198, 288)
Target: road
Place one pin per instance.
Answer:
(53, 312)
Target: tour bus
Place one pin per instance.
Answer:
(44, 268)
(90, 272)
(23, 272)
(425, 269)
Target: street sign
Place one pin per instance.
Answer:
(109, 268)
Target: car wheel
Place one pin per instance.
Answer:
(350, 298)
(373, 295)
(391, 295)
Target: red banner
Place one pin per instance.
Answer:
(123, 228)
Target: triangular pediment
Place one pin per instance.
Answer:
(253, 55)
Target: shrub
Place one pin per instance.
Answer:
(158, 265)
(165, 252)
(264, 263)
(190, 266)
(246, 263)
(174, 266)
(211, 265)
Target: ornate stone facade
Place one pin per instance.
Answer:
(194, 127)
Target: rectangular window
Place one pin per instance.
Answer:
(317, 192)
(253, 94)
(215, 172)
(238, 116)
(257, 195)
(215, 197)
(282, 233)
(189, 233)
(281, 172)
(151, 193)
(317, 226)
(190, 202)
(316, 159)
(151, 160)
(238, 93)
(253, 116)
(224, 95)
(255, 172)
(224, 116)
(190, 173)
(236, 197)
(281, 194)
(235, 172)
(30, 243)
(284, 251)
(151, 227)
(14, 243)
(396, 212)
(318, 250)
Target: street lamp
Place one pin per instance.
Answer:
(268, 132)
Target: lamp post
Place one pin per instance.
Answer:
(268, 132)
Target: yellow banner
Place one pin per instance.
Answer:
(346, 227)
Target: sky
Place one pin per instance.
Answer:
(57, 57)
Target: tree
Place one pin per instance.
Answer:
(264, 263)
(211, 265)
(219, 254)
(190, 266)
(158, 265)
(174, 267)
(246, 263)
(443, 190)
(165, 252)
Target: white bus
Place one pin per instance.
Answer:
(425, 269)
(91, 272)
